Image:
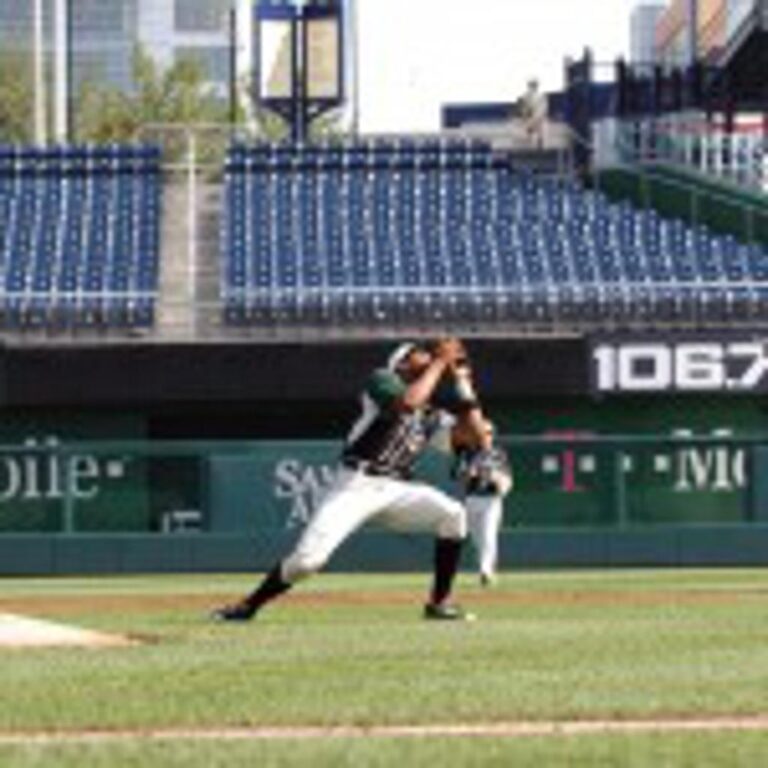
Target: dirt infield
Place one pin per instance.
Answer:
(24, 632)
(74, 605)
(510, 730)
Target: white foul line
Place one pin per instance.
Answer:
(478, 730)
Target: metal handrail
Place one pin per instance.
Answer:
(708, 178)
(749, 210)
(495, 290)
(641, 167)
(642, 170)
(693, 189)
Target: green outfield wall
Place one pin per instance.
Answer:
(42, 483)
(656, 480)
(586, 496)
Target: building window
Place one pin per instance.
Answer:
(214, 61)
(113, 18)
(201, 15)
(111, 68)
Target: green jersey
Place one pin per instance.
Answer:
(387, 439)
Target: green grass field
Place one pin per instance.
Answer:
(353, 651)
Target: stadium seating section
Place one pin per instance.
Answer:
(368, 235)
(433, 233)
(79, 237)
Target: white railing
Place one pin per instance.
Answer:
(739, 156)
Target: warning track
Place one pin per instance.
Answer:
(477, 730)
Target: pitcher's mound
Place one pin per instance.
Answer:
(22, 632)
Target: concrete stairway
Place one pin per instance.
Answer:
(189, 275)
(207, 273)
(175, 311)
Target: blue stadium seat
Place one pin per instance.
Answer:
(429, 232)
(80, 236)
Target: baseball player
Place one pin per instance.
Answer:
(484, 472)
(396, 423)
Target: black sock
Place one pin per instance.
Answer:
(447, 555)
(273, 586)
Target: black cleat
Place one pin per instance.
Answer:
(446, 612)
(487, 579)
(235, 612)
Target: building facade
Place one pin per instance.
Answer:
(716, 21)
(645, 17)
(105, 34)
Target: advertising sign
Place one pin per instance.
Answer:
(689, 365)
(53, 478)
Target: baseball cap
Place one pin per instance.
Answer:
(400, 354)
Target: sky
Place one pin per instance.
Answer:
(416, 55)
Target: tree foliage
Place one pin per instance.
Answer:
(177, 95)
(16, 97)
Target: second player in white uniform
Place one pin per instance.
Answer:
(485, 475)
(483, 471)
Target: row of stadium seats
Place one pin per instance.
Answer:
(373, 233)
(293, 3)
(79, 236)
(88, 153)
(370, 155)
(375, 236)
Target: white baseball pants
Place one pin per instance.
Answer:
(356, 499)
(484, 515)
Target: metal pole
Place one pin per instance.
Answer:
(61, 69)
(694, 207)
(295, 85)
(749, 212)
(233, 72)
(693, 32)
(68, 516)
(645, 196)
(353, 25)
(192, 225)
(246, 51)
(38, 63)
(299, 77)
(620, 489)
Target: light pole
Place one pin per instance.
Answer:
(693, 32)
(300, 60)
(62, 42)
(233, 64)
(353, 27)
(38, 64)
